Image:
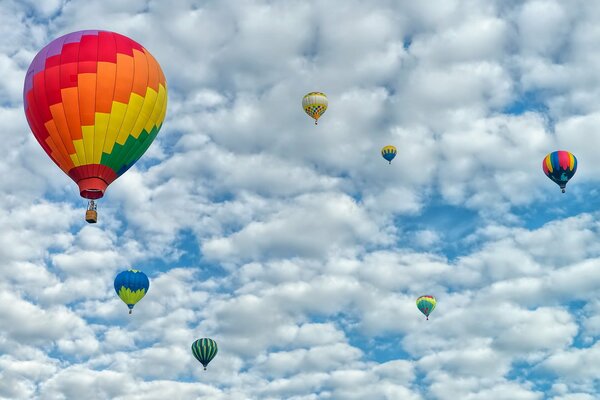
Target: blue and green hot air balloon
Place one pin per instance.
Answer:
(204, 350)
(426, 304)
(131, 286)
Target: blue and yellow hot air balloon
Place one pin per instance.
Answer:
(315, 104)
(426, 304)
(131, 286)
(388, 152)
(204, 349)
(560, 166)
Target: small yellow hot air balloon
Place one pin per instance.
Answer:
(315, 104)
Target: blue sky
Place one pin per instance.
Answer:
(297, 247)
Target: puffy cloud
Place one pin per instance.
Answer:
(574, 364)
(447, 388)
(312, 226)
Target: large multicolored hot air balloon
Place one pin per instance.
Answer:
(204, 350)
(426, 304)
(131, 286)
(560, 166)
(315, 104)
(95, 101)
(389, 152)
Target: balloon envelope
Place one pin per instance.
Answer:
(560, 166)
(388, 152)
(426, 304)
(315, 104)
(131, 286)
(204, 350)
(95, 101)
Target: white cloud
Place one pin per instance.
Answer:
(297, 248)
(574, 364)
(543, 27)
(312, 226)
(471, 389)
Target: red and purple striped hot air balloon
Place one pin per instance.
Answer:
(95, 101)
(560, 166)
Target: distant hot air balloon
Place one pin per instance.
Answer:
(204, 350)
(131, 286)
(95, 101)
(388, 152)
(426, 304)
(560, 166)
(315, 104)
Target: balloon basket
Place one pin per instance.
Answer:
(91, 216)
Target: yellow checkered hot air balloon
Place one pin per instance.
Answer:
(315, 104)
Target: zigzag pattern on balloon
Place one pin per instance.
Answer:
(131, 297)
(389, 152)
(95, 101)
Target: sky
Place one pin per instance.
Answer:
(297, 247)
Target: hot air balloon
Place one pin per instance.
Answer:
(95, 101)
(315, 104)
(560, 166)
(131, 286)
(426, 304)
(204, 350)
(388, 152)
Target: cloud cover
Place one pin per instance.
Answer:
(297, 247)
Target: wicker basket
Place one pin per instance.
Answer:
(91, 216)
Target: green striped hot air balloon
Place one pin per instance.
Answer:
(204, 350)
